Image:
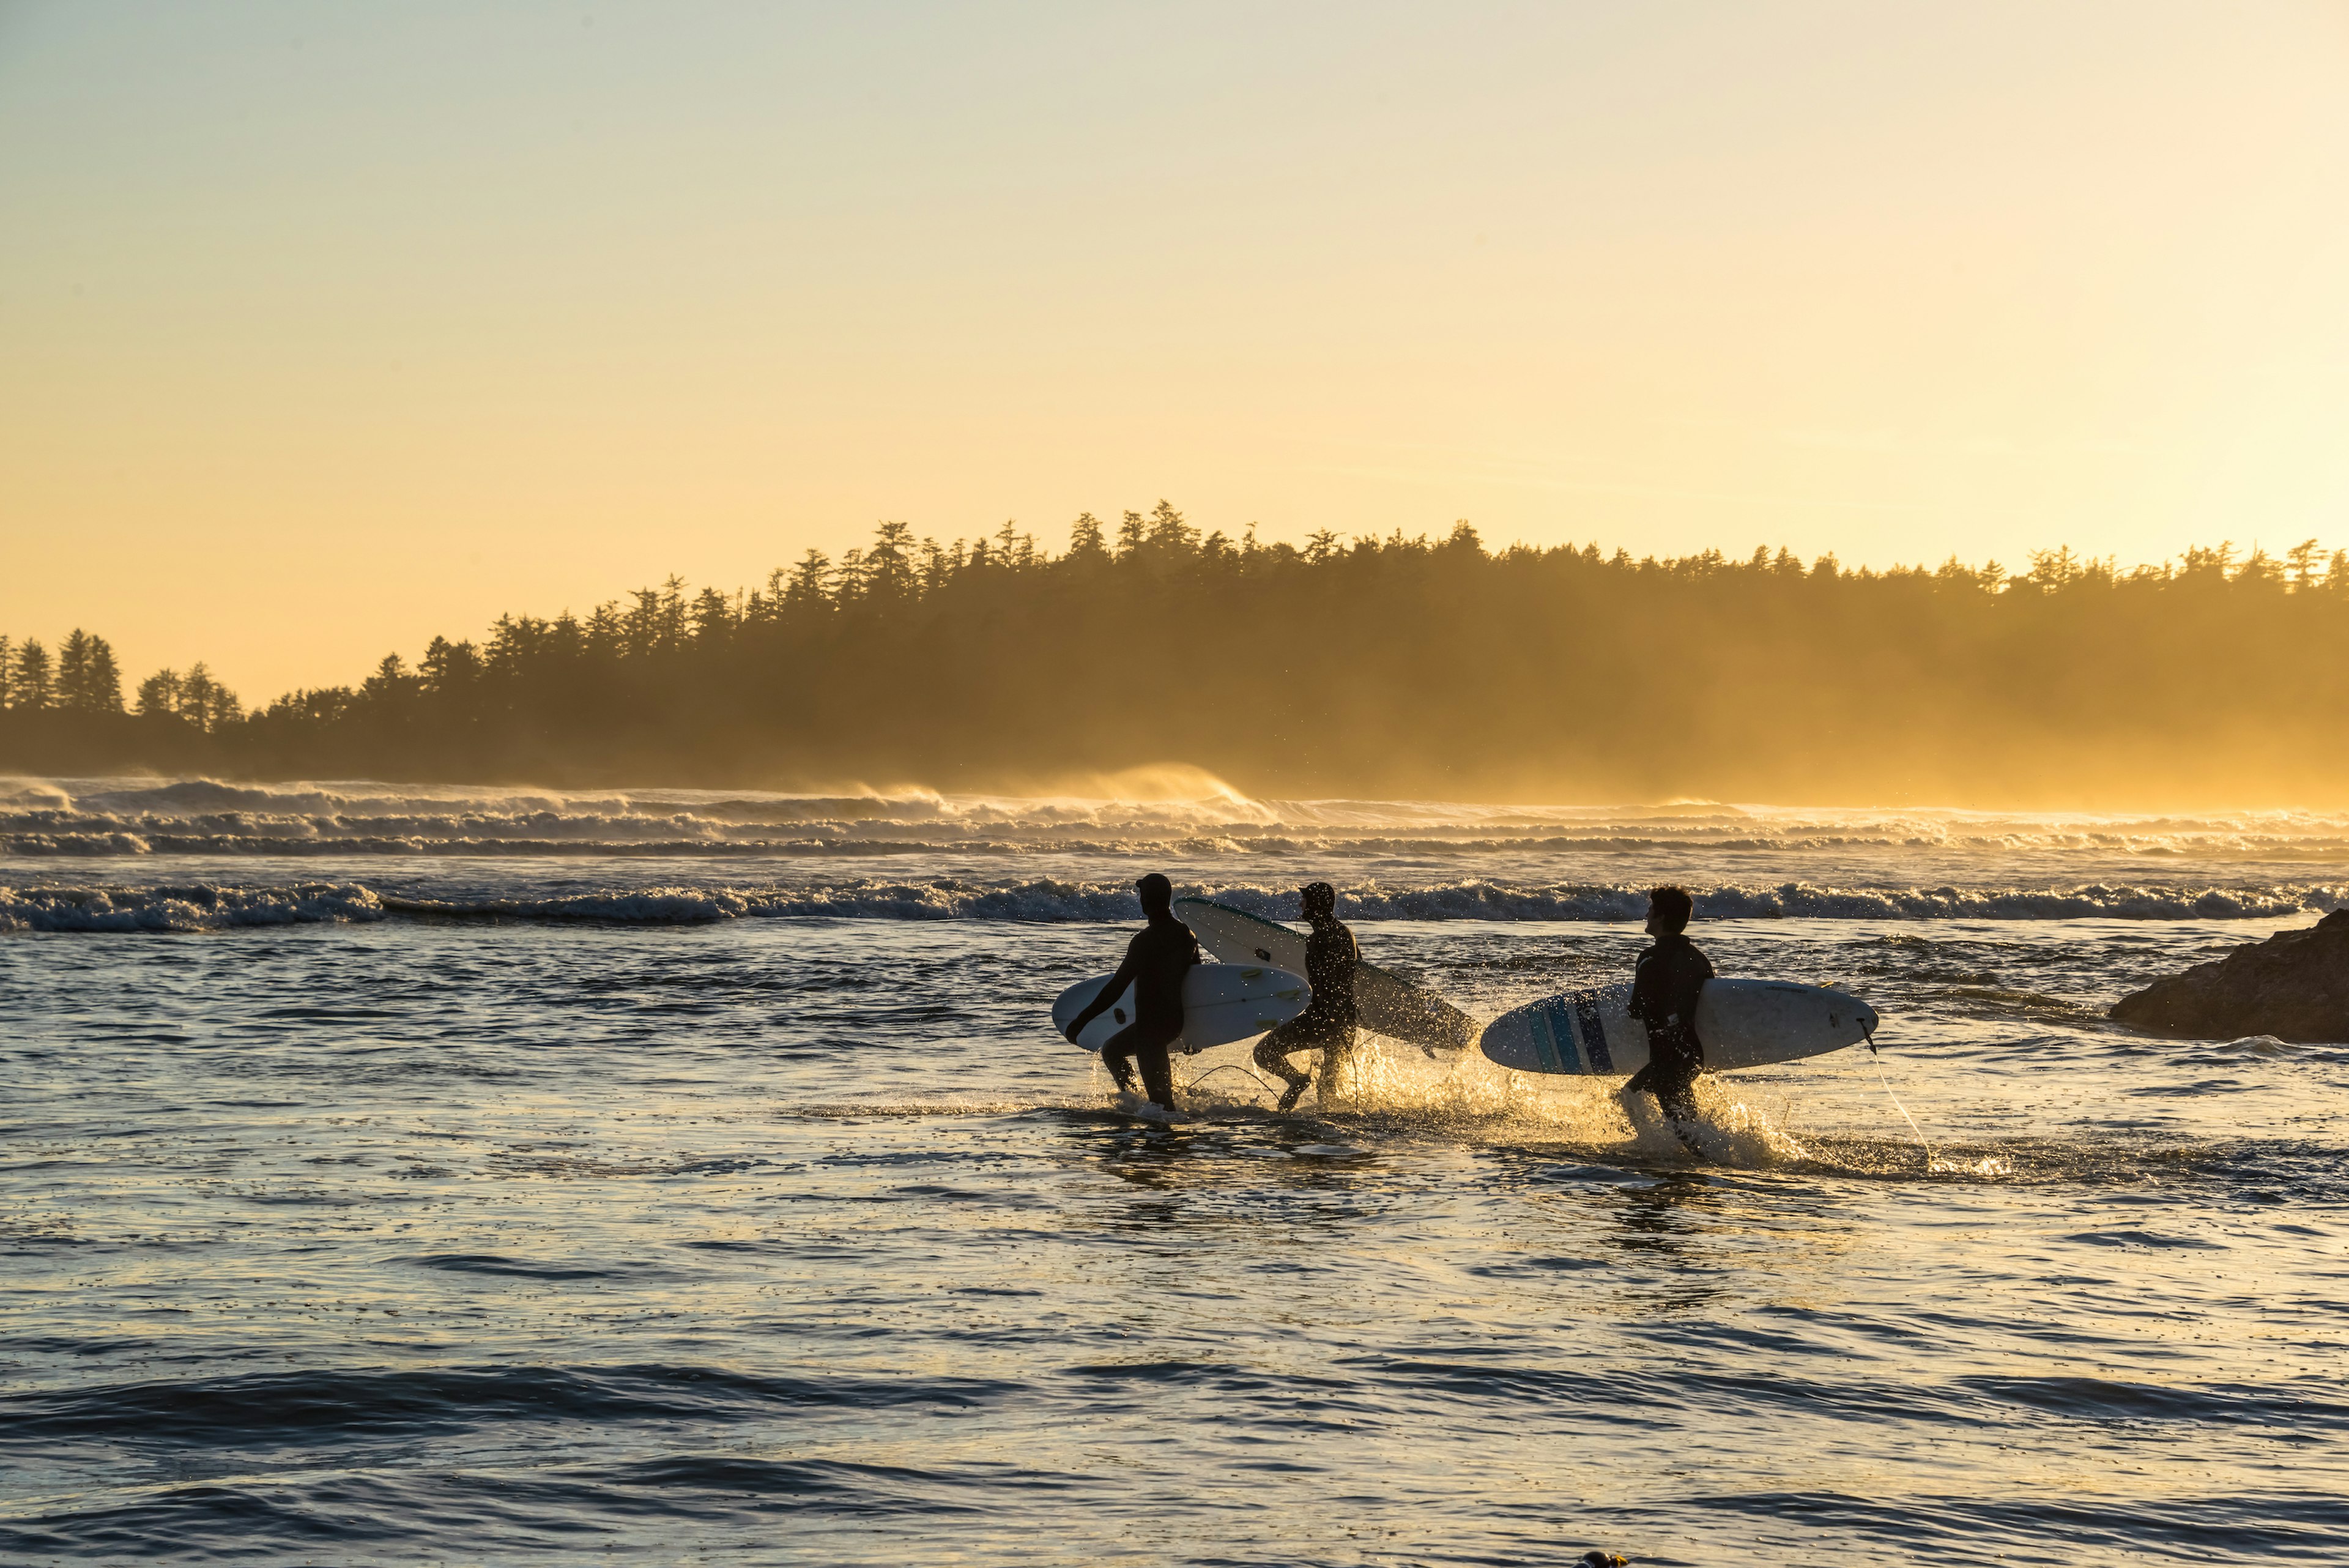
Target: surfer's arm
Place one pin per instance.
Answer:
(1124, 977)
(1643, 993)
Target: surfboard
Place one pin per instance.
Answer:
(1382, 1003)
(1742, 1022)
(1221, 1002)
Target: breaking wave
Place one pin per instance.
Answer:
(196, 908)
(352, 851)
(203, 906)
(109, 817)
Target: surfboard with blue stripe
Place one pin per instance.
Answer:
(1742, 1023)
(1569, 1034)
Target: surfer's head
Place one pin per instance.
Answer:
(1669, 909)
(1157, 894)
(1318, 899)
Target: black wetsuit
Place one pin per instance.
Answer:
(1664, 997)
(1327, 1022)
(1161, 953)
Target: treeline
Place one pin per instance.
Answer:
(64, 712)
(1347, 666)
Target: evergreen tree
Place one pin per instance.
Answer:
(209, 706)
(222, 708)
(105, 678)
(159, 695)
(889, 576)
(809, 589)
(88, 681)
(73, 668)
(1086, 546)
(392, 682)
(34, 691)
(1169, 534)
(448, 670)
(195, 695)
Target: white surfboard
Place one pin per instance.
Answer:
(1741, 1023)
(1221, 1002)
(1383, 1004)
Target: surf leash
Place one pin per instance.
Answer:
(1229, 1067)
(1878, 1058)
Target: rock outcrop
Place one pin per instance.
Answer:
(2295, 986)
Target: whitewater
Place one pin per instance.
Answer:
(197, 854)
(415, 1174)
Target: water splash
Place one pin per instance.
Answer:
(1391, 1089)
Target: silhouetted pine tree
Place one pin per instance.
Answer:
(34, 689)
(205, 702)
(159, 695)
(88, 681)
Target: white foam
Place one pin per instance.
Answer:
(1053, 901)
(182, 908)
(1400, 860)
(1150, 804)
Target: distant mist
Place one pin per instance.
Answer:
(1365, 667)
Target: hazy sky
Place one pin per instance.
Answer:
(323, 328)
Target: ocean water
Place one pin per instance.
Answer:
(404, 1175)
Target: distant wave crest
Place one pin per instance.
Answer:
(105, 817)
(204, 907)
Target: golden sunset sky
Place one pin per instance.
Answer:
(323, 328)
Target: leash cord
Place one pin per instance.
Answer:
(1229, 1067)
(1878, 1058)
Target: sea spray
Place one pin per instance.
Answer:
(219, 906)
(1390, 1088)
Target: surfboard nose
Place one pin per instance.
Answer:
(1849, 1020)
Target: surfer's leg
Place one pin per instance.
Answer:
(1642, 1082)
(1146, 1042)
(1336, 1057)
(1272, 1053)
(1677, 1096)
(1117, 1055)
(1157, 1074)
(1670, 1079)
(1670, 1076)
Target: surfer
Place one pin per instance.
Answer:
(1664, 987)
(1155, 962)
(1326, 1024)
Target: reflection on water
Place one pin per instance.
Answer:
(434, 1240)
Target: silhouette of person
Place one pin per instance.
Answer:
(1161, 953)
(1326, 1024)
(1664, 987)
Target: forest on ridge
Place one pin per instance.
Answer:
(1425, 666)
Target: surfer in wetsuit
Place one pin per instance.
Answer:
(1155, 962)
(1326, 1024)
(1664, 988)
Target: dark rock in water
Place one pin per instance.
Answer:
(2294, 985)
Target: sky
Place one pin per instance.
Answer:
(324, 329)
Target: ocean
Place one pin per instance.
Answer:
(395, 1174)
